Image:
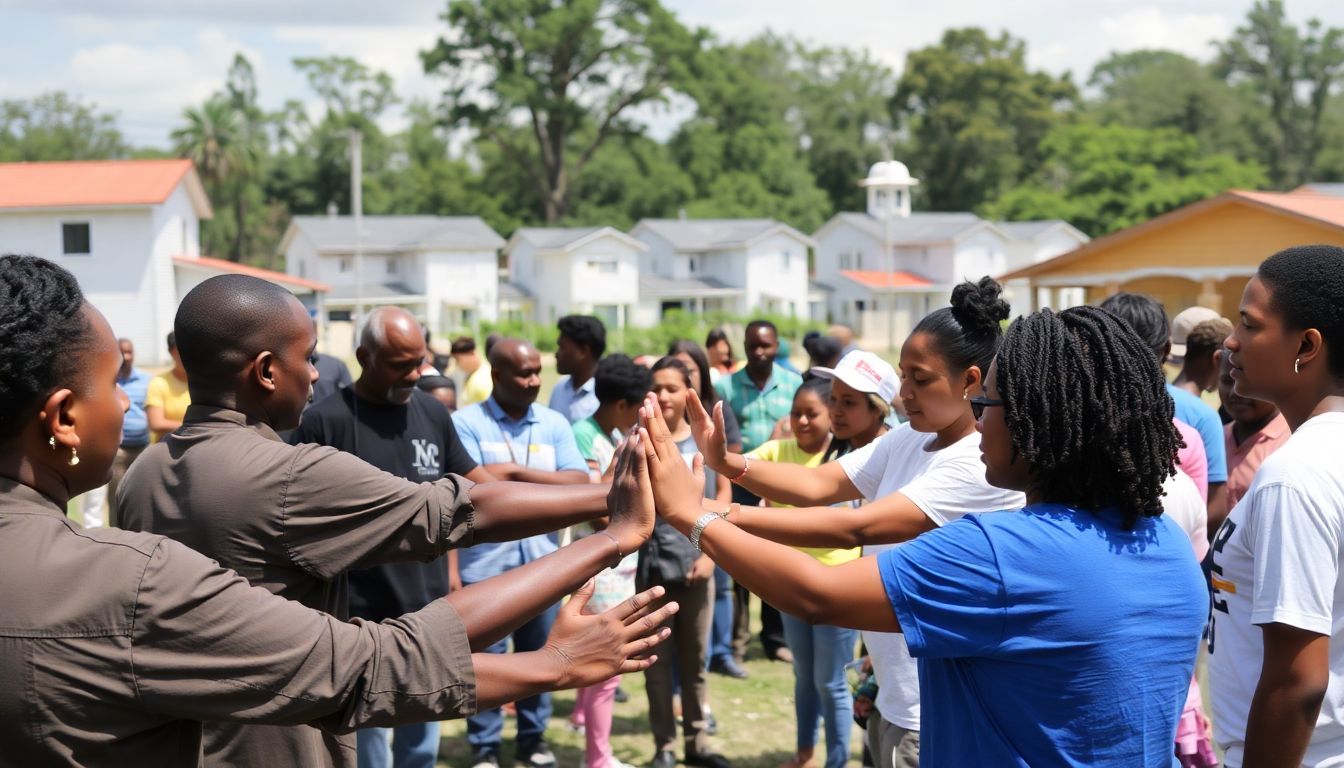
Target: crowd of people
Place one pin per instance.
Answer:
(988, 554)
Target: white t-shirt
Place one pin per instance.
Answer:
(1184, 505)
(1277, 560)
(945, 485)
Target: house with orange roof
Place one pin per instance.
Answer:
(1199, 254)
(129, 230)
(884, 269)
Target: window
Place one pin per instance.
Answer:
(75, 238)
(690, 265)
(788, 260)
(858, 305)
(391, 266)
(845, 261)
(609, 314)
(343, 266)
(303, 269)
(603, 267)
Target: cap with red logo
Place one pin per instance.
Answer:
(865, 372)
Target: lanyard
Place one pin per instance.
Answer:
(527, 447)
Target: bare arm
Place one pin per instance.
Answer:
(507, 511)
(787, 483)
(1218, 508)
(158, 422)
(889, 520)
(493, 608)
(523, 474)
(582, 649)
(1293, 679)
(848, 595)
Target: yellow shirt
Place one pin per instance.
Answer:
(788, 452)
(477, 387)
(170, 393)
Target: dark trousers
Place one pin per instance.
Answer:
(689, 646)
(772, 626)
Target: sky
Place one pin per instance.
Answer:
(146, 60)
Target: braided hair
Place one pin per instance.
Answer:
(42, 329)
(1087, 408)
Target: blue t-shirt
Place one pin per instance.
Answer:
(542, 439)
(1049, 636)
(1198, 414)
(135, 424)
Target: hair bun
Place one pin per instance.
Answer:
(979, 306)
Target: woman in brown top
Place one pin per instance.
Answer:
(157, 638)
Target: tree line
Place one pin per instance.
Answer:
(537, 124)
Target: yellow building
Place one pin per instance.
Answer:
(1200, 254)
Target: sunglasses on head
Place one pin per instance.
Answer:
(979, 403)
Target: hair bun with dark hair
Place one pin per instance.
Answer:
(979, 306)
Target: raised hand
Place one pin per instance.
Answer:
(708, 431)
(630, 500)
(677, 492)
(591, 648)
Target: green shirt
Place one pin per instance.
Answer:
(594, 443)
(758, 410)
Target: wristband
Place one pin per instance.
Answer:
(746, 465)
(698, 529)
(728, 513)
(619, 556)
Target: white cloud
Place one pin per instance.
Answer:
(260, 12)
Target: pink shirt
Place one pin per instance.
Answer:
(1191, 459)
(1243, 460)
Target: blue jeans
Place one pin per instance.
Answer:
(485, 729)
(413, 746)
(721, 630)
(820, 654)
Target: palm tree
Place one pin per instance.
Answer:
(217, 139)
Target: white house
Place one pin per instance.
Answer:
(579, 270)
(129, 230)
(445, 269)
(885, 269)
(740, 266)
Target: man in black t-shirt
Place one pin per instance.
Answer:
(386, 421)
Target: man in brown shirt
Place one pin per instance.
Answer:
(294, 519)
(158, 638)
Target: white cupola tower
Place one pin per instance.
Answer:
(889, 184)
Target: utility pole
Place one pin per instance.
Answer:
(357, 213)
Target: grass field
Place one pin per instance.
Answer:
(756, 723)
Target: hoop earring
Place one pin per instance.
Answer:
(1297, 363)
(74, 457)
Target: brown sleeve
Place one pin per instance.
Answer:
(207, 646)
(341, 512)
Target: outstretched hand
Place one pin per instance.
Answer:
(630, 500)
(590, 648)
(677, 490)
(708, 431)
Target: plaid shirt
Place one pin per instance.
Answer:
(757, 410)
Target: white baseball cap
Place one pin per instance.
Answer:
(1184, 323)
(865, 372)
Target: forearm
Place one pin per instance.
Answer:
(801, 526)
(542, 477)
(501, 678)
(1280, 725)
(493, 608)
(157, 422)
(507, 511)
(788, 483)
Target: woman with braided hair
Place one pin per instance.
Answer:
(1022, 621)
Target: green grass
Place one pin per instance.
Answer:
(756, 723)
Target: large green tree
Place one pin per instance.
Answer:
(1105, 178)
(1293, 73)
(57, 126)
(567, 74)
(1164, 89)
(976, 116)
(215, 137)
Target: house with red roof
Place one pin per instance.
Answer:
(1199, 254)
(129, 230)
(882, 270)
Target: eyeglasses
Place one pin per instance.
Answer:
(979, 404)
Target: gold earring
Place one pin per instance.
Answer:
(74, 457)
(1297, 363)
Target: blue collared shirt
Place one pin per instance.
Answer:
(135, 425)
(575, 404)
(543, 440)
